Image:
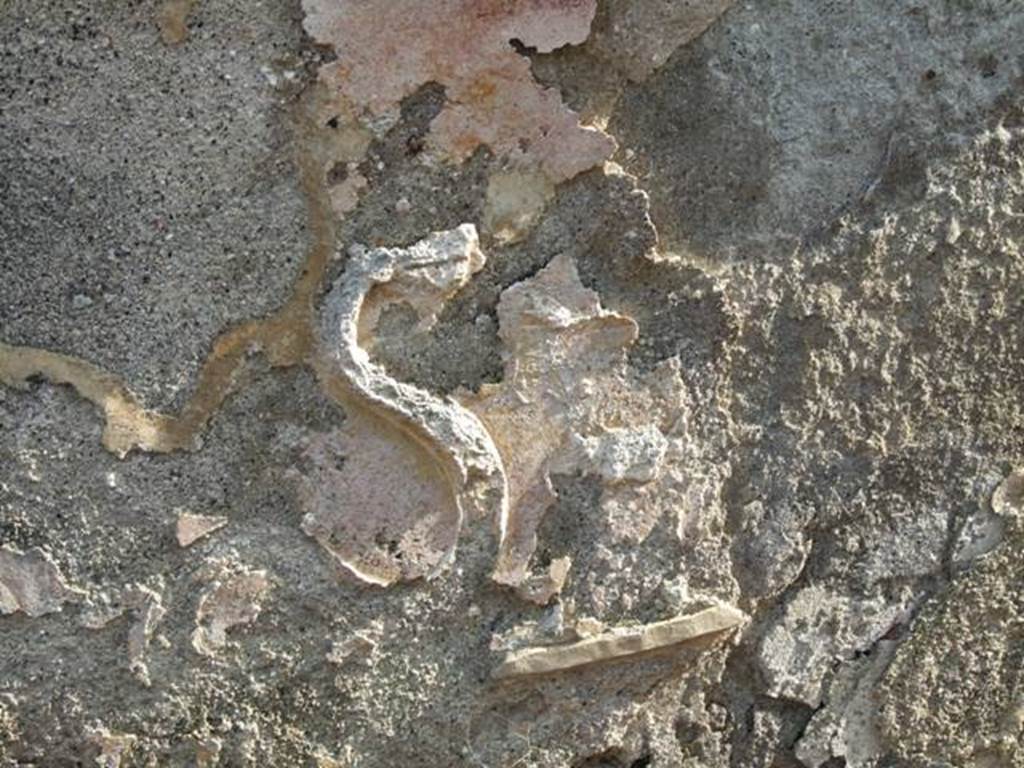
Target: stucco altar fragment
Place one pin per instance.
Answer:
(620, 643)
(568, 402)
(365, 514)
(846, 728)
(32, 583)
(555, 333)
(233, 598)
(191, 527)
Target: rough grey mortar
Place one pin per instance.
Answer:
(156, 182)
(768, 198)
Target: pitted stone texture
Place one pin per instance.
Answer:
(149, 193)
(955, 690)
(782, 117)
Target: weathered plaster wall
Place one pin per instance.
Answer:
(512, 383)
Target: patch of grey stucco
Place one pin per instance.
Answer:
(812, 245)
(785, 114)
(149, 196)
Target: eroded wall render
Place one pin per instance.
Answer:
(508, 383)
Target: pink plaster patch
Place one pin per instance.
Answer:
(377, 502)
(387, 49)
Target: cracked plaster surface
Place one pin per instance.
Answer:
(628, 461)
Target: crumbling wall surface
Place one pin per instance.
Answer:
(507, 383)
